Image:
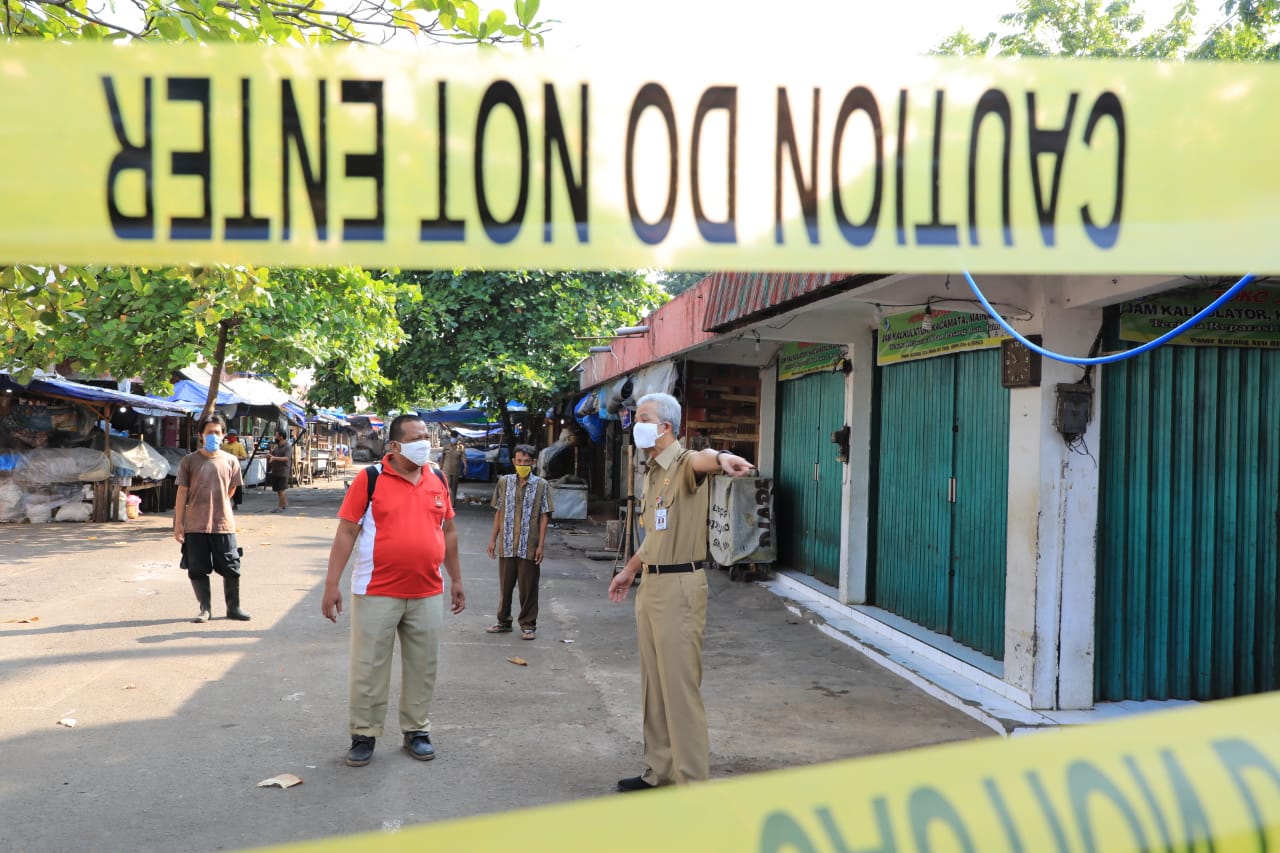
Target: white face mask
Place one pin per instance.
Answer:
(645, 435)
(416, 451)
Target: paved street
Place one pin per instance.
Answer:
(176, 723)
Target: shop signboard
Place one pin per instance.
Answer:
(1250, 319)
(801, 359)
(924, 333)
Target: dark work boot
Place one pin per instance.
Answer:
(200, 583)
(419, 745)
(231, 587)
(361, 751)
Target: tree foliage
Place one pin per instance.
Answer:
(676, 283)
(303, 21)
(144, 323)
(1248, 29)
(498, 336)
(138, 322)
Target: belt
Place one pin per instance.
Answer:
(673, 568)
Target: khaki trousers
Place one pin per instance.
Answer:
(376, 620)
(671, 615)
(513, 571)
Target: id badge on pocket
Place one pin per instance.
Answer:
(660, 519)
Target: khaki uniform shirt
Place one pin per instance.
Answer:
(452, 459)
(671, 483)
(209, 483)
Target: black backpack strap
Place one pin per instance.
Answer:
(374, 470)
(371, 477)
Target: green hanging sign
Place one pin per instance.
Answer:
(915, 334)
(801, 359)
(1250, 319)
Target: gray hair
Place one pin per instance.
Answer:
(668, 409)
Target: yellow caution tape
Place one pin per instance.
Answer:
(159, 154)
(1196, 779)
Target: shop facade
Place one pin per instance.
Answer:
(1056, 532)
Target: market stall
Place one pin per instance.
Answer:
(60, 459)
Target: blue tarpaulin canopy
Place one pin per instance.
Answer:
(454, 413)
(187, 391)
(53, 386)
(465, 413)
(250, 392)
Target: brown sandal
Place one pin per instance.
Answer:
(498, 629)
(527, 633)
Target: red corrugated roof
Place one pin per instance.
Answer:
(735, 296)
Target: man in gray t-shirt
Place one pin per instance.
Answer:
(203, 523)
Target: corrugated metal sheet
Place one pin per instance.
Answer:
(808, 482)
(941, 563)
(734, 296)
(1187, 594)
(981, 507)
(913, 518)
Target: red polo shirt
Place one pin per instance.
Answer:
(401, 543)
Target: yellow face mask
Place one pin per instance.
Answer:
(523, 471)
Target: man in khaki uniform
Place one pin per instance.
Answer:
(453, 460)
(671, 606)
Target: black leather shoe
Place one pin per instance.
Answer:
(419, 745)
(361, 751)
(635, 783)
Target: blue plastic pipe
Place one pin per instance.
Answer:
(1119, 356)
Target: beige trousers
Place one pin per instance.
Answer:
(671, 615)
(376, 620)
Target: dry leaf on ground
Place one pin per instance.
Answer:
(519, 661)
(284, 780)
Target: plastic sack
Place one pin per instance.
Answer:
(255, 471)
(585, 414)
(41, 501)
(78, 511)
(135, 457)
(67, 465)
(11, 499)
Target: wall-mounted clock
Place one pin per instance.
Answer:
(1019, 366)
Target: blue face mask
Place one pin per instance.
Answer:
(212, 442)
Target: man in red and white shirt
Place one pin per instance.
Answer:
(401, 537)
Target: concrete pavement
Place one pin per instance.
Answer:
(176, 723)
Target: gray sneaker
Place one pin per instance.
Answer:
(419, 745)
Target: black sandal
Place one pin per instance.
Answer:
(498, 629)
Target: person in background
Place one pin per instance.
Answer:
(233, 446)
(279, 461)
(453, 461)
(203, 523)
(671, 606)
(524, 505)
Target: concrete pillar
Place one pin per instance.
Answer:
(856, 515)
(1052, 522)
(768, 420)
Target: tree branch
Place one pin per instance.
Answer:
(65, 5)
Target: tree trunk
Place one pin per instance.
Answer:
(219, 359)
(508, 431)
